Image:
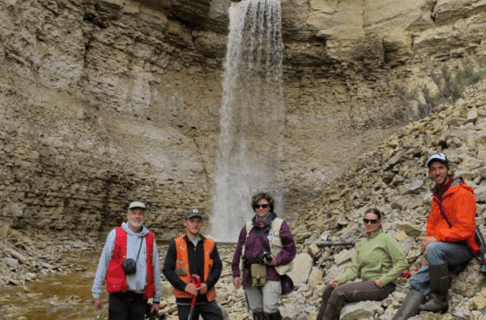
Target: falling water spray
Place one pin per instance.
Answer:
(252, 115)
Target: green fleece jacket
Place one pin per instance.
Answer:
(377, 257)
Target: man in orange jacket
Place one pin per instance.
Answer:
(450, 240)
(193, 254)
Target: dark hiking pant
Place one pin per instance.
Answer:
(126, 306)
(333, 300)
(208, 310)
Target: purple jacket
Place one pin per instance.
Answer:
(254, 248)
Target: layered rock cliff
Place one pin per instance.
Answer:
(108, 101)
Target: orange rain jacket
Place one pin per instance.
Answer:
(459, 206)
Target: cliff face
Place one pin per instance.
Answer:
(108, 101)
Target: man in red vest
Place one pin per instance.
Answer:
(129, 264)
(193, 254)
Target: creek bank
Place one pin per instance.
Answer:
(51, 275)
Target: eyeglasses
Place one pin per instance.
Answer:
(258, 206)
(372, 221)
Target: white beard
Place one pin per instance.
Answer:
(135, 225)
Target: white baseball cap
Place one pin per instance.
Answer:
(136, 204)
(438, 157)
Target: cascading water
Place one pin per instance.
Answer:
(252, 115)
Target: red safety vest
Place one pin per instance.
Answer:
(116, 280)
(182, 262)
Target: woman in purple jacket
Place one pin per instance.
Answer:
(265, 251)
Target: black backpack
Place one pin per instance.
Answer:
(482, 252)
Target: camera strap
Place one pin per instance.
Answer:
(264, 244)
(140, 248)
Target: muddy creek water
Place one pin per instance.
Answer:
(55, 297)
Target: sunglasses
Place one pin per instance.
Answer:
(258, 206)
(373, 221)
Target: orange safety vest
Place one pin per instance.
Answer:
(182, 263)
(116, 280)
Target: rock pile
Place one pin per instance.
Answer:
(28, 256)
(394, 179)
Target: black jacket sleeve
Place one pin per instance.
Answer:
(216, 270)
(169, 268)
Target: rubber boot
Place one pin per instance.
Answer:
(325, 298)
(259, 316)
(439, 284)
(322, 308)
(409, 307)
(274, 316)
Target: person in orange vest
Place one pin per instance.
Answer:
(449, 241)
(193, 254)
(129, 264)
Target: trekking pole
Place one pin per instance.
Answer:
(196, 281)
(247, 302)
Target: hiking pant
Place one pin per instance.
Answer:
(436, 254)
(264, 299)
(126, 306)
(334, 299)
(208, 310)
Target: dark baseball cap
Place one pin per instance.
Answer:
(194, 213)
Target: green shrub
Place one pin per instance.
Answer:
(451, 86)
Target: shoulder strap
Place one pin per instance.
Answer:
(265, 246)
(442, 212)
(140, 248)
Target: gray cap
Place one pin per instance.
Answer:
(136, 204)
(194, 213)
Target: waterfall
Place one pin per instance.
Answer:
(252, 115)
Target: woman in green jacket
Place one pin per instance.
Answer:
(378, 262)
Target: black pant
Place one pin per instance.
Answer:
(126, 306)
(208, 310)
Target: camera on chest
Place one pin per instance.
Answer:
(130, 266)
(265, 257)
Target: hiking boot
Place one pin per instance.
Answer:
(259, 316)
(436, 303)
(409, 307)
(439, 284)
(274, 316)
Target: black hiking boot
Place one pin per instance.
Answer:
(409, 307)
(439, 284)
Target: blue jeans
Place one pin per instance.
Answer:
(436, 254)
